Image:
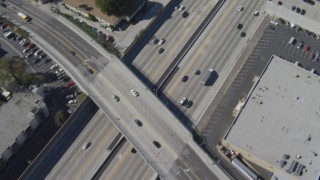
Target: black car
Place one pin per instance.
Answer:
(3, 5)
(303, 12)
(239, 26)
(161, 50)
(198, 72)
(47, 60)
(42, 56)
(185, 78)
(189, 104)
(72, 53)
(157, 144)
(89, 70)
(139, 123)
(242, 34)
(298, 10)
(185, 14)
(293, 8)
(36, 60)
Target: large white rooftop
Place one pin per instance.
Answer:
(282, 116)
(14, 117)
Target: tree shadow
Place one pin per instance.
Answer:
(2, 53)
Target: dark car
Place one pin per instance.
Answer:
(198, 72)
(157, 144)
(36, 61)
(31, 45)
(3, 26)
(298, 10)
(293, 8)
(279, 2)
(189, 104)
(306, 48)
(139, 123)
(242, 34)
(303, 12)
(89, 70)
(47, 60)
(185, 14)
(161, 50)
(239, 26)
(185, 78)
(72, 53)
(42, 56)
(3, 5)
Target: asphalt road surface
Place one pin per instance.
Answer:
(113, 78)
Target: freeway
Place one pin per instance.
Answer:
(162, 139)
(218, 48)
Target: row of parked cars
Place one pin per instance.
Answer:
(306, 48)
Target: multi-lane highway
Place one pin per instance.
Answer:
(163, 142)
(106, 154)
(218, 47)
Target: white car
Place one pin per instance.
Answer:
(256, 13)
(54, 66)
(240, 8)
(25, 50)
(73, 101)
(274, 22)
(38, 52)
(86, 145)
(161, 41)
(70, 111)
(22, 41)
(134, 93)
(180, 7)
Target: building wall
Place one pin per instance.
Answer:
(21, 138)
(101, 21)
(254, 159)
(6, 154)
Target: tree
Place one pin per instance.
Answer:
(114, 7)
(59, 118)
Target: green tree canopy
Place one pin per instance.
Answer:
(114, 7)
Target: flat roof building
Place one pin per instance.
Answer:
(279, 125)
(19, 117)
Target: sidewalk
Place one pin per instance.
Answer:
(125, 35)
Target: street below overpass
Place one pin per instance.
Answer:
(112, 77)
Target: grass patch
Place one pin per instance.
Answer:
(82, 97)
(16, 69)
(93, 34)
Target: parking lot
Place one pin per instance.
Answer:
(61, 87)
(304, 48)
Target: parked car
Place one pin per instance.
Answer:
(274, 23)
(239, 26)
(70, 96)
(307, 48)
(300, 45)
(73, 101)
(54, 66)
